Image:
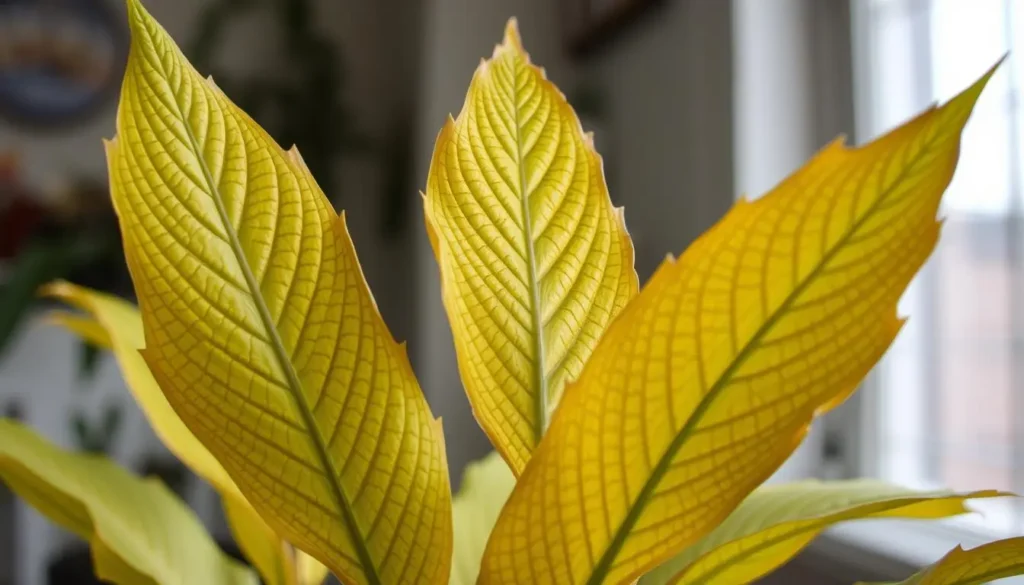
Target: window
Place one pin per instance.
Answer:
(946, 406)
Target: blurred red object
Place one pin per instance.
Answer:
(20, 215)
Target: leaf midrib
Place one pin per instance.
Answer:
(282, 356)
(539, 371)
(604, 564)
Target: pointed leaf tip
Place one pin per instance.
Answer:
(136, 13)
(512, 38)
(59, 289)
(978, 86)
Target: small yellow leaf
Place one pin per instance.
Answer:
(983, 564)
(534, 260)
(86, 328)
(776, 522)
(486, 484)
(117, 325)
(139, 532)
(261, 330)
(710, 377)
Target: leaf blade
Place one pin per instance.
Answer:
(138, 530)
(709, 378)
(262, 332)
(534, 259)
(777, 522)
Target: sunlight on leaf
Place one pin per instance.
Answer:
(709, 378)
(776, 522)
(534, 260)
(262, 333)
(139, 532)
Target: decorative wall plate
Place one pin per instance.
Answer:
(60, 60)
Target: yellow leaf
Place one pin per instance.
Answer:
(262, 333)
(139, 532)
(534, 260)
(117, 325)
(983, 564)
(776, 522)
(486, 484)
(710, 377)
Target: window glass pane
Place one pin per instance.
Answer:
(950, 389)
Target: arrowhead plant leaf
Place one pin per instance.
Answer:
(262, 333)
(139, 532)
(115, 324)
(534, 259)
(710, 377)
(977, 566)
(776, 522)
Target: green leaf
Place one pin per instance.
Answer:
(138, 530)
(113, 323)
(486, 484)
(776, 522)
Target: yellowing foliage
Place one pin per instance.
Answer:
(633, 423)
